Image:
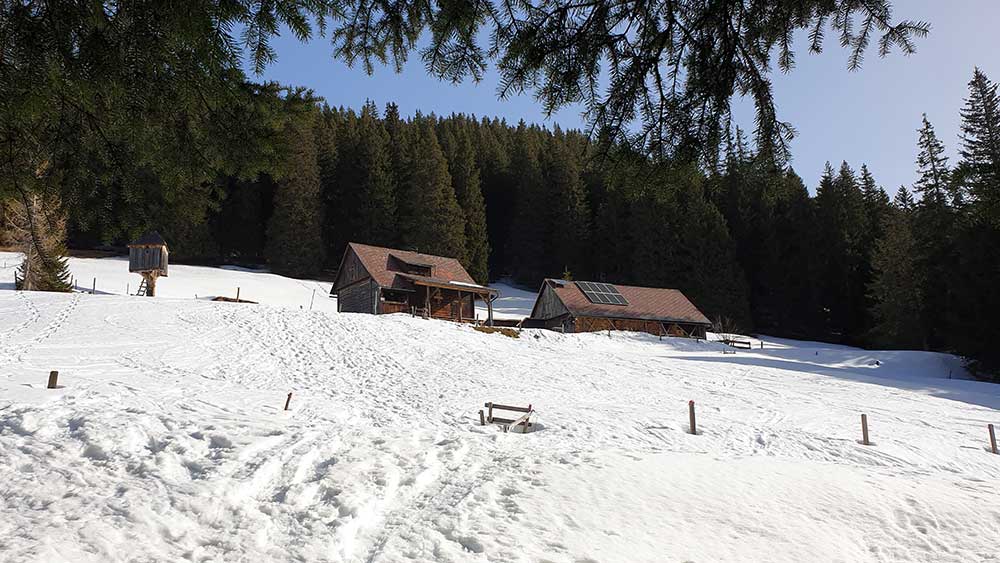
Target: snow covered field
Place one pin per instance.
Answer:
(167, 440)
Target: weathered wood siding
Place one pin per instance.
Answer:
(445, 304)
(357, 298)
(351, 271)
(147, 259)
(548, 305)
(593, 324)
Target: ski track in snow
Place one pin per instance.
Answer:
(167, 441)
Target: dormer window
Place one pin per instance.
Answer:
(400, 264)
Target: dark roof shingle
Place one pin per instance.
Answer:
(376, 260)
(647, 303)
(151, 238)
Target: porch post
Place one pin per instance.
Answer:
(461, 305)
(489, 309)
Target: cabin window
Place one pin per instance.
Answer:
(418, 270)
(390, 296)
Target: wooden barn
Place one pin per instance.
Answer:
(377, 280)
(582, 306)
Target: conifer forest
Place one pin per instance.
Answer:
(232, 171)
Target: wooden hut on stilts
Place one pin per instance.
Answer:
(147, 257)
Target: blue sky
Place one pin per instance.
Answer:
(870, 115)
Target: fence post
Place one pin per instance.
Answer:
(237, 295)
(489, 417)
(288, 400)
(482, 419)
(93, 290)
(993, 438)
(694, 427)
(312, 300)
(54, 382)
(864, 430)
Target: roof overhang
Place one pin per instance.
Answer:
(448, 284)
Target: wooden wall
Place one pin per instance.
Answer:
(147, 258)
(358, 298)
(594, 324)
(351, 271)
(548, 305)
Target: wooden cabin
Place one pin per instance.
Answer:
(377, 280)
(149, 257)
(569, 306)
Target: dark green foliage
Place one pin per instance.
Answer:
(430, 219)
(295, 229)
(363, 198)
(36, 225)
(896, 290)
(465, 178)
(980, 149)
(673, 65)
(567, 217)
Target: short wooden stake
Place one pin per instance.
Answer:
(864, 430)
(312, 300)
(993, 438)
(482, 419)
(128, 288)
(694, 427)
(54, 382)
(237, 295)
(93, 289)
(288, 400)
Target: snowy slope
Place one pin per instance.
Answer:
(168, 441)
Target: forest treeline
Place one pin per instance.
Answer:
(744, 239)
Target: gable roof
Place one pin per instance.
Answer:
(646, 303)
(151, 238)
(376, 260)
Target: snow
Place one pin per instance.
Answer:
(167, 439)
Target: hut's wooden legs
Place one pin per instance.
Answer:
(150, 278)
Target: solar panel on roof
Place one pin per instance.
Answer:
(602, 293)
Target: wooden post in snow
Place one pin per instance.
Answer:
(489, 417)
(54, 382)
(482, 419)
(864, 430)
(312, 300)
(237, 295)
(288, 400)
(694, 427)
(93, 289)
(993, 438)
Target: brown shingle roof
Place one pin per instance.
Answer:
(376, 260)
(647, 303)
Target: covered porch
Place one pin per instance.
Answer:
(439, 299)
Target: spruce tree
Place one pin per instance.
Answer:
(466, 181)
(896, 289)
(526, 242)
(980, 149)
(364, 192)
(327, 158)
(567, 216)
(295, 231)
(37, 227)
(903, 199)
(932, 165)
(430, 219)
(934, 231)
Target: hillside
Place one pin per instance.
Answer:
(168, 440)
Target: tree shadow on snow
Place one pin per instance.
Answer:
(972, 392)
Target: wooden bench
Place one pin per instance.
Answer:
(745, 344)
(506, 423)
